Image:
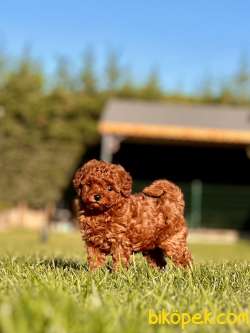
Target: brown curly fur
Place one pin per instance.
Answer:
(113, 221)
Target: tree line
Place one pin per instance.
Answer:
(47, 122)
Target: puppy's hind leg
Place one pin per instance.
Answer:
(176, 249)
(155, 258)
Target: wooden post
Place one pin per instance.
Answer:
(110, 144)
(106, 145)
(196, 203)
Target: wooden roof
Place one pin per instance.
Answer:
(198, 123)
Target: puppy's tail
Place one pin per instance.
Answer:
(168, 193)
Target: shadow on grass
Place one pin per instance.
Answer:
(63, 263)
(60, 262)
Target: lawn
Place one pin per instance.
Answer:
(47, 288)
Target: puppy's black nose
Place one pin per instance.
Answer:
(97, 197)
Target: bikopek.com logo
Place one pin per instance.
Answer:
(206, 317)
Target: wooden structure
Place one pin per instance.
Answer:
(210, 139)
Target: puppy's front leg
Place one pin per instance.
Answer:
(96, 258)
(120, 256)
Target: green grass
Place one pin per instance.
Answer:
(47, 288)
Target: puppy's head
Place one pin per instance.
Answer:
(101, 185)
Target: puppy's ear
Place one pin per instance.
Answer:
(82, 172)
(126, 182)
(77, 179)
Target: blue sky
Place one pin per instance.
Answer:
(185, 40)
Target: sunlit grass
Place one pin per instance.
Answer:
(47, 287)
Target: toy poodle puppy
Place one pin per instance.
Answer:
(115, 222)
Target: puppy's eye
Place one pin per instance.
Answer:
(110, 188)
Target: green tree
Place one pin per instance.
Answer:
(127, 88)
(152, 87)
(88, 75)
(241, 81)
(226, 95)
(3, 66)
(206, 90)
(42, 136)
(113, 72)
(63, 76)
(21, 96)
